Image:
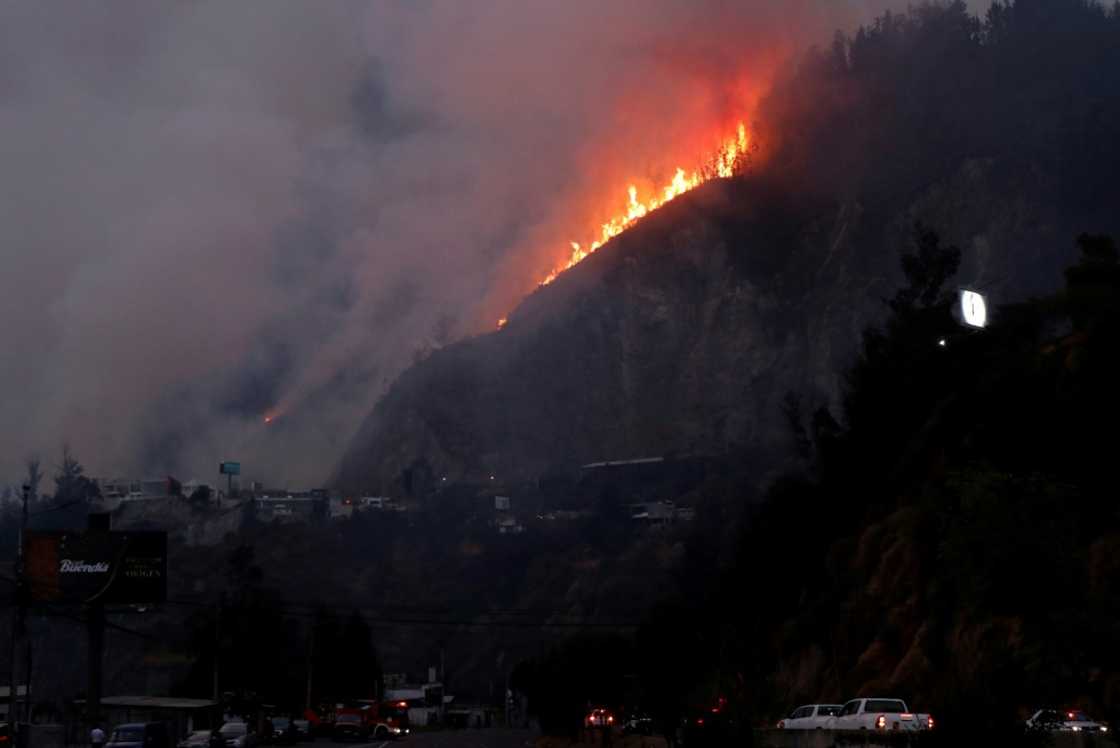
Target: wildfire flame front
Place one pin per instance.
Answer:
(730, 159)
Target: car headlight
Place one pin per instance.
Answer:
(1075, 728)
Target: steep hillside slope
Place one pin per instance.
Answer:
(685, 333)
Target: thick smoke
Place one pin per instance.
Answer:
(215, 212)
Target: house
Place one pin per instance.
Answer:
(290, 508)
(509, 526)
(653, 513)
(5, 700)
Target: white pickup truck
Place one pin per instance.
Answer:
(886, 715)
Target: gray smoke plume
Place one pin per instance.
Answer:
(217, 212)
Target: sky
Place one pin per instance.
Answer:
(213, 213)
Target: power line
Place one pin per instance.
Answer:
(53, 609)
(396, 616)
(58, 508)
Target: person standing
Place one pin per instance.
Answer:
(97, 737)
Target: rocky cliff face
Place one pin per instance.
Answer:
(685, 333)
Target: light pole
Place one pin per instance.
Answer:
(19, 611)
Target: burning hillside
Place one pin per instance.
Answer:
(730, 156)
(728, 159)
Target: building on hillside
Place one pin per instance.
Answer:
(297, 509)
(5, 700)
(508, 525)
(654, 514)
(373, 502)
(340, 508)
(469, 715)
(117, 490)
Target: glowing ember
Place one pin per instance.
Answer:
(502, 323)
(730, 159)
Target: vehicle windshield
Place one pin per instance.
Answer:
(128, 735)
(1074, 715)
(828, 710)
(280, 722)
(890, 706)
(234, 728)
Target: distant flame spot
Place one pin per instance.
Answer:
(502, 323)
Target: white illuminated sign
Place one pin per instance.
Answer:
(974, 309)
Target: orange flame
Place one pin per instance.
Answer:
(729, 159)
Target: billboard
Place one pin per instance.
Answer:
(973, 309)
(123, 568)
(230, 468)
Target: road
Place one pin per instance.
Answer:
(490, 738)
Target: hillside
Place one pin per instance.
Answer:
(684, 333)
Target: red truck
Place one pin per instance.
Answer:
(380, 720)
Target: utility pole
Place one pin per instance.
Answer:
(311, 661)
(27, 671)
(218, 647)
(19, 614)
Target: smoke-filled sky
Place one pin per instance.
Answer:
(216, 211)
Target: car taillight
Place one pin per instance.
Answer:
(782, 725)
(881, 722)
(929, 722)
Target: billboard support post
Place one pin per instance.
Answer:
(229, 469)
(95, 626)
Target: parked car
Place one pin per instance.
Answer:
(237, 735)
(349, 727)
(888, 715)
(638, 724)
(810, 717)
(282, 731)
(1064, 720)
(303, 730)
(140, 735)
(599, 717)
(197, 739)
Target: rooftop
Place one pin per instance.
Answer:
(154, 702)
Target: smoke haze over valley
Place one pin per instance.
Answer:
(214, 214)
